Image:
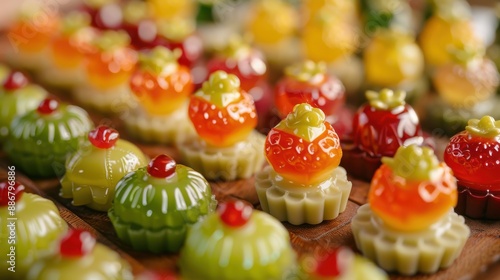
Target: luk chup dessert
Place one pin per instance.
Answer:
(409, 225)
(162, 89)
(68, 50)
(168, 9)
(308, 82)
(35, 226)
(224, 117)
(108, 70)
(237, 242)
(473, 155)
(380, 127)
(338, 264)
(393, 60)
(304, 182)
(41, 140)
(17, 96)
(176, 198)
(139, 24)
(93, 171)
(104, 14)
(80, 257)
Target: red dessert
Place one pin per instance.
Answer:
(235, 213)
(380, 127)
(77, 243)
(308, 82)
(161, 166)
(15, 80)
(139, 24)
(9, 189)
(473, 155)
(180, 34)
(105, 14)
(103, 137)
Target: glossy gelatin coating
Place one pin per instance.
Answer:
(94, 170)
(160, 84)
(37, 228)
(221, 112)
(139, 24)
(41, 140)
(176, 198)
(413, 190)
(167, 9)
(392, 58)
(303, 148)
(385, 123)
(308, 82)
(80, 257)
(240, 59)
(237, 243)
(442, 32)
(17, 97)
(69, 47)
(272, 21)
(328, 36)
(180, 33)
(470, 79)
(113, 62)
(474, 154)
(105, 14)
(40, 24)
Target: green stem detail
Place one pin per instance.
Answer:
(386, 99)
(413, 163)
(305, 122)
(485, 127)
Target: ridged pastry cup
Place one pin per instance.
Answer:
(240, 161)
(298, 204)
(478, 204)
(163, 129)
(409, 253)
(112, 101)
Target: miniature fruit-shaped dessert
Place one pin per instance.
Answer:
(41, 140)
(304, 148)
(80, 257)
(105, 14)
(409, 225)
(167, 9)
(308, 82)
(237, 242)
(138, 22)
(224, 116)
(221, 112)
(36, 226)
(176, 198)
(473, 155)
(94, 170)
(392, 58)
(17, 96)
(385, 123)
(268, 26)
(304, 153)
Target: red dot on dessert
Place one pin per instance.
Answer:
(103, 137)
(15, 80)
(48, 106)
(161, 166)
(235, 213)
(10, 191)
(334, 263)
(77, 243)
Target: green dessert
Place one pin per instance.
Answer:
(41, 140)
(17, 96)
(237, 243)
(304, 182)
(155, 206)
(94, 170)
(81, 258)
(409, 225)
(28, 232)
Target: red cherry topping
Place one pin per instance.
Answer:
(48, 106)
(15, 80)
(77, 243)
(103, 137)
(235, 213)
(161, 166)
(334, 263)
(10, 191)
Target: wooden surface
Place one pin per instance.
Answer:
(480, 258)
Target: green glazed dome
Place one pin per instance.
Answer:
(38, 227)
(153, 214)
(92, 173)
(17, 102)
(258, 250)
(39, 144)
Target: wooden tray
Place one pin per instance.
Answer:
(480, 258)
